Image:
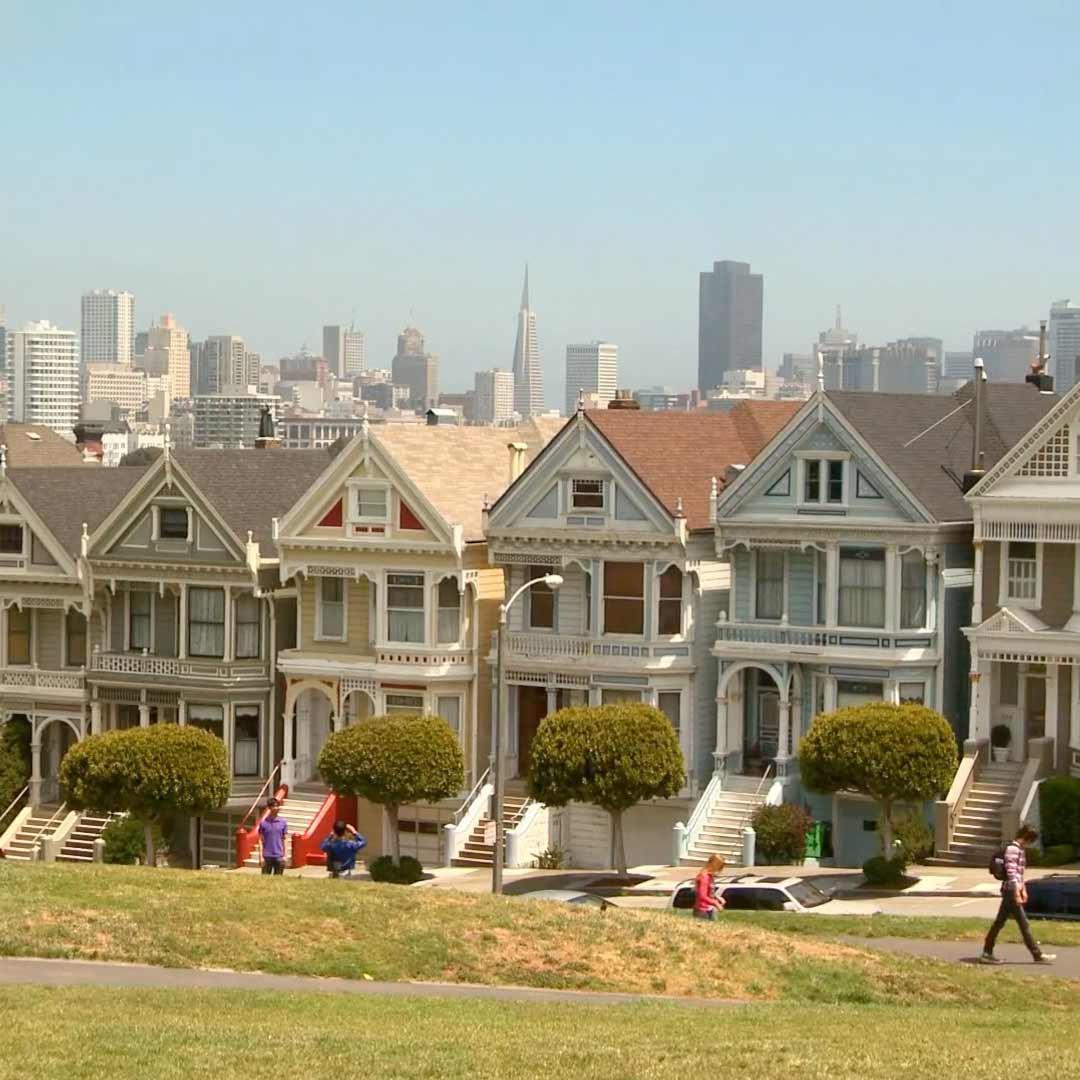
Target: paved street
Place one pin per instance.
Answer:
(1016, 958)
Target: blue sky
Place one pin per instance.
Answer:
(263, 169)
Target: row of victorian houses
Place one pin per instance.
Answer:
(741, 571)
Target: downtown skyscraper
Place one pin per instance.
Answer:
(593, 368)
(108, 327)
(528, 375)
(729, 322)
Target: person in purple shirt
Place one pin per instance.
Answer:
(272, 832)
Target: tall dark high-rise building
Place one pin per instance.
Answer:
(416, 369)
(729, 321)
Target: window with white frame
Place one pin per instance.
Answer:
(669, 702)
(669, 603)
(404, 703)
(140, 620)
(75, 639)
(20, 629)
(912, 693)
(821, 596)
(541, 600)
(1021, 582)
(768, 584)
(330, 609)
(12, 539)
(862, 587)
(206, 718)
(449, 612)
(246, 740)
(823, 481)
(173, 523)
(587, 494)
(405, 608)
(624, 598)
(912, 590)
(248, 620)
(371, 502)
(206, 622)
(448, 706)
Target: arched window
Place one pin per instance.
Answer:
(669, 620)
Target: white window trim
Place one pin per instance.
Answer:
(892, 590)
(460, 699)
(258, 707)
(320, 635)
(353, 488)
(605, 507)
(753, 588)
(437, 610)
(609, 635)
(911, 682)
(1003, 579)
(684, 605)
(802, 457)
(386, 609)
(64, 660)
(928, 587)
(425, 699)
(527, 610)
(235, 601)
(12, 519)
(127, 619)
(156, 529)
(33, 637)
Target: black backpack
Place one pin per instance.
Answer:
(997, 865)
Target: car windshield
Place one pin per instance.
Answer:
(808, 895)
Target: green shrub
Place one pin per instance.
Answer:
(781, 833)
(882, 871)
(915, 836)
(125, 839)
(405, 872)
(14, 760)
(1059, 809)
(549, 859)
(1055, 855)
(1000, 736)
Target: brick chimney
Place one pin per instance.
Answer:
(624, 399)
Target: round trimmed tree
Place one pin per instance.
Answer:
(154, 773)
(612, 756)
(392, 761)
(892, 753)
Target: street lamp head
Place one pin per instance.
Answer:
(553, 581)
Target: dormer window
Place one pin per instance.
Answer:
(823, 480)
(11, 540)
(367, 508)
(587, 494)
(371, 504)
(173, 523)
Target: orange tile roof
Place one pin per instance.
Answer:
(676, 454)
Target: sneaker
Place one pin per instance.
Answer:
(989, 958)
(1046, 958)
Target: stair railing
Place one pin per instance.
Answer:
(247, 833)
(46, 829)
(466, 817)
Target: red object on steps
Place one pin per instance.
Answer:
(306, 846)
(247, 840)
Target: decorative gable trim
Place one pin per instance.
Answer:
(14, 502)
(1014, 620)
(781, 485)
(333, 516)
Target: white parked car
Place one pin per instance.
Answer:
(569, 896)
(750, 892)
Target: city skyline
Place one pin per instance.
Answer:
(892, 223)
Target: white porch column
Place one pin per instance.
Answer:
(721, 747)
(979, 715)
(976, 598)
(229, 643)
(182, 644)
(934, 582)
(144, 714)
(181, 712)
(832, 582)
(229, 717)
(892, 587)
(35, 767)
(95, 717)
(595, 598)
(289, 749)
(830, 693)
(552, 700)
(890, 691)
(783, 754)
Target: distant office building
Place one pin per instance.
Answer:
(851, 369)
(528, 372)
(108, 327)
(493, 396)
(957, 365)
(165, 351)
(223, 361)
(730, 302)
(416, 369)
(231, 418)
(343, 350)
(124, 386)
(316, 432)
(659, 398)
(269, 377)
(1006, 354)
(800, 368)
(43, 377)
(910, 366)
(1063, 341)
(594, 368)
(303, 367)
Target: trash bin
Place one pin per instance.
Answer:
(819, 840)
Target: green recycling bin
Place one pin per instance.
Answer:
(817, 840)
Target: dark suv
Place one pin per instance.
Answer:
(1056, 896)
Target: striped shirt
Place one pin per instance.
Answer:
(1015, 865)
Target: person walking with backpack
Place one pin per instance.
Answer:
(1009, 866)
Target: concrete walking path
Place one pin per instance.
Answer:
(1015, 957)
(27, 971)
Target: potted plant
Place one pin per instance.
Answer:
(1000, 737)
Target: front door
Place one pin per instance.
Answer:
(532, 708)
(56, 740)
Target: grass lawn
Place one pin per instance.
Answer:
(86, 1034)
(320, 927)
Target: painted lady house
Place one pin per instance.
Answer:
(618, 504)
(849, 541)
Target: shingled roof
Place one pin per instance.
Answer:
(66, 497)
(34, 445)
(931, 462)
(249, 488)
(457, 468)
(676, 454)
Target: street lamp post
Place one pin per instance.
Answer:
(552, 581)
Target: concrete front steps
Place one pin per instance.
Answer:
(725, 819)
(44, 821)
(474, 852)
(79, 846)
(218, 834)
(977, 834)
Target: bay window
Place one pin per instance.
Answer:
(405, 608)
(330, 609)
(246, 741)
(912, 591)
(449, 612)
(75, 638)
(541, 600)
(449, 708)
(206, 622)
(624, 598)
(19, 628)
(248, 619)
(140, 619)
(669, 605)
(768, 584)
(862, 587)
